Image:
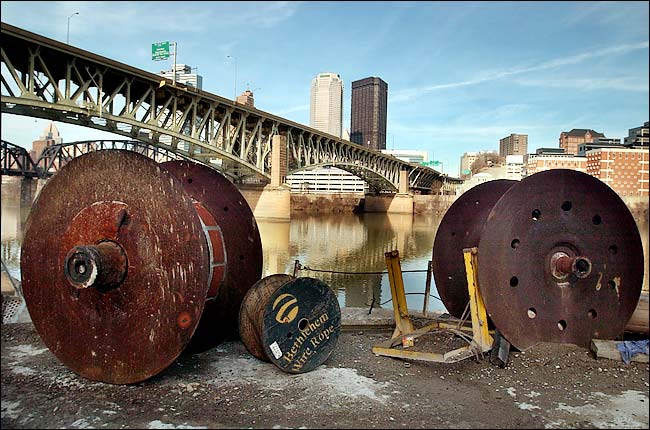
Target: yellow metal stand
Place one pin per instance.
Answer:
(480, 341)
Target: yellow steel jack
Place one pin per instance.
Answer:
(480, 340)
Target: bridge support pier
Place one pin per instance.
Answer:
(389, 203)
(400, 203)
(272, 201)
(268, 202)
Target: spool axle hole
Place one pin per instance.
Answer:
(514, 281)
(532, 313)
(536, 214)
(302, 324)
(566, 206)
(561, 325)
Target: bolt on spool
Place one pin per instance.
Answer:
(136, 265)
(292, 322)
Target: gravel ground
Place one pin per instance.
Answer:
(548, 386)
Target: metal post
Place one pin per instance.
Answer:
(174, 69)
(427, 289)
(67, 39)
(481, 334)
(234, 58)
(403, 324)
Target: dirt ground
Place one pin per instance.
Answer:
(548, 386)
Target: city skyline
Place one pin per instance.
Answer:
(461, 78)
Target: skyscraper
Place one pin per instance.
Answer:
(326, 107)
(515, 144)
(368, 113)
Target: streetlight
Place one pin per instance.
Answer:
(67, 39)
(234, 58)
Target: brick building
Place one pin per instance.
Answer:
(624, 170)
(540, 162)
(570, 140)
(49, 137)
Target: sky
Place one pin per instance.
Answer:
(460, 75)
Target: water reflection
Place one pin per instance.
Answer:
(17, 198)
(339, 242)
(353, 243)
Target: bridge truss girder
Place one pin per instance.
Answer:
(16, 161)
(48, 79)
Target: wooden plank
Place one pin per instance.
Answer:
(638, 322)
(607, 349)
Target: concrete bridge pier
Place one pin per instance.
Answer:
(400, 203)
(272, 201)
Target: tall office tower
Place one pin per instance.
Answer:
(184, 75)
(368, 113)
(326, 107)
(515, 144)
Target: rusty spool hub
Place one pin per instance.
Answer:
(117, 264)
(292, 322)
(461, 228)
(560, 260)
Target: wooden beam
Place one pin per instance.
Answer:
(607, 349)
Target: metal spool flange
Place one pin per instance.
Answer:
(461, 228)
(251, 314)
(235, 248)
(112, 266)
(297, 322)
(560, 260)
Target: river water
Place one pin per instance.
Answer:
(327, 243)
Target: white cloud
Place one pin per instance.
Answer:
(409, 94)
(591, 84)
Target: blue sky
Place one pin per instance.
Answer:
(461, 75)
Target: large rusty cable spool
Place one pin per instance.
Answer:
(292, 322)
(117, 265)
(560, 260)
(237, 256)
(461, 228)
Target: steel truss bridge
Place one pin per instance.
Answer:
(48, 79)
(16, 161)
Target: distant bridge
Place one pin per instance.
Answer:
(16, 161)
(45, 78)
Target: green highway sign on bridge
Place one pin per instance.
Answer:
(160, 51)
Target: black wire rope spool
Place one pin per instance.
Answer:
(121, 261)
(560, 260)
(292, 322)
(461, 228)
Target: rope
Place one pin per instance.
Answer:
(307, 268)
(408, 294)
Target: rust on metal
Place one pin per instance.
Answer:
(560, 260)
(251, 314)
(102, 266)
(461, 228)
(141, 318)
(242, 247)
(562, 265)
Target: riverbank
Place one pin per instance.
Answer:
(547, 386)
